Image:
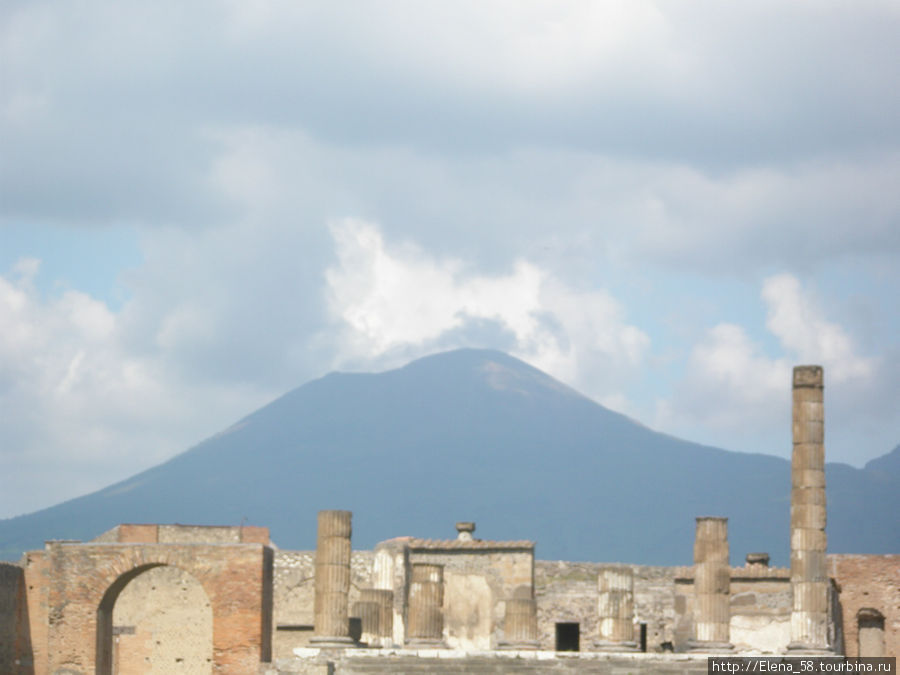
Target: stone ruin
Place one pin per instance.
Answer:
(194, 599)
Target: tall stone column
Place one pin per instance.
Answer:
(375, 609)
(809, 580)
(332, 622)
(712, 587)
(615, 607)
(520, 624)
(426, 605)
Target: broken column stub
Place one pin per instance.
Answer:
(332, 585)
(375, 609)
(520, 621)
(615, 608)
(391, 571)
(712, 587)
(426, 605)
(809, 578)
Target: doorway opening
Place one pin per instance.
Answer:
(567, 637)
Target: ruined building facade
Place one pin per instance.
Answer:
(182, 599)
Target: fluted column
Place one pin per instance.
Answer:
(712, 587)
(375, 609)
(520, 624)
(615, 607)
(426, 602)
(809, 580)
(391, 571)
(332, 623)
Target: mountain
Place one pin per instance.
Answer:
(474, 435)
(887, 465)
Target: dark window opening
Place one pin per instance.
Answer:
(567, 635)
(355, 628)
(643, 637)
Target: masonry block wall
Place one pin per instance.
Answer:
(294, 594)
(759, 602)
(478, 578)
(567, 593)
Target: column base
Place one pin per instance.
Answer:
(426, 643)
(611, 646)
(332, 641)
(804, 649)
(516, 646)
(698, 647)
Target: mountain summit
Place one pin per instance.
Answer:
(473, 435)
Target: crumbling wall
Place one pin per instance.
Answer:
(868, 582)
(567, 593)
(760, 609)
(37, 585)
(162, 623)
(294, 595)
(477, 581)
(760, 605)
(131, 533)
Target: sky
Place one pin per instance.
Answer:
(665, 205)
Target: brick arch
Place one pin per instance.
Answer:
(86, 579)
(105, 609)
(870, 632)
(137, 559)
(103, 664)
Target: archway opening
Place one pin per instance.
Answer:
(155, 619)
(870, 624)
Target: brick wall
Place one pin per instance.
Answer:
(477, 582)
(868, 581)
(68, 582)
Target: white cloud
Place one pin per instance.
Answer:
(536, 152)
(796, 319)
(740, 394)
(790, 216)
(401, 298)
(83, 405)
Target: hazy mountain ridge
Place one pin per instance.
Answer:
(474, 435)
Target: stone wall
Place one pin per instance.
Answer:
(430, 662)
(478, 578)
(294, 595)
(868, 582)
(760, 609)
(37, 583)
(567, 593)
(760, 605)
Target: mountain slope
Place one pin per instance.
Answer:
(472, 435)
